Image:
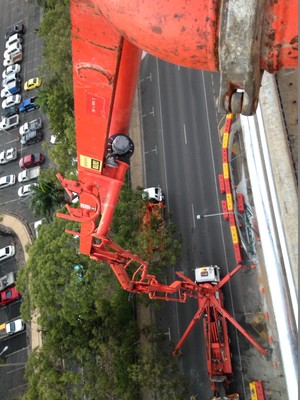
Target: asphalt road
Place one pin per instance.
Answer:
(182, 153)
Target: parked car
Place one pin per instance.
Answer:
(11, 77)
(26, 190)
(14, 326)
(11, 101)
(31, 137)
(12, 50)
(8, 155)
(11, 70)
(14, 86)
(7, 280)
(28, 105)
(33, 125)
(8, 112)
(9, 123)
(7, 180)
(12, 59)
(32, 83)
(31, 160)
(9, 295)
(15, 38)
(5, 92)
(7, 252)
(16, 28)
(28, 174)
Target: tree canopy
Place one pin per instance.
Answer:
(85, 316)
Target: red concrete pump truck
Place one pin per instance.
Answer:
(240, 39)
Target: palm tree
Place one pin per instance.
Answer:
(46, 198)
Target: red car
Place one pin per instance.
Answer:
(31, 160)
(9, 295)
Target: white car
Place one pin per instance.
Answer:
(11, 77)
(11, 101)
(26, 190)
(12, 69)
(7, 180)
(9, 123)
(7, 62)
(14, 326)
(8, 155)
(12, 50)
(7, 252)
(5, 93)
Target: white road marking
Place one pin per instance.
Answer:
(152, 112)
(193, 214)
(9, 201)
(184, 133)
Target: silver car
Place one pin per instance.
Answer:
(8, 155)
(7, 180)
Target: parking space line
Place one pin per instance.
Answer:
(12, 141)
(9, 201)
(15, 352)
(15, 370)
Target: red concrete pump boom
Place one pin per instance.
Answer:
(106, 39)
(239, 38)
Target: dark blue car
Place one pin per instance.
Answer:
(28, 105)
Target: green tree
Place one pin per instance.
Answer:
(56, 94)
(80, 318)
(156, 371)
(48, 195)
(49, 380)
(156, 244)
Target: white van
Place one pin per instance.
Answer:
(12, 50)
(153, 194)
(16, 38)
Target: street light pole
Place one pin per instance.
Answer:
(213, 215)
(5, 348)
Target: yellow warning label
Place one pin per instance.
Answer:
(225, 140)
(90, 163)
(225, 170)
(234, 235)
(229, 201)
(253, 391)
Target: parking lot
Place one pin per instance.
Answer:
(14, 348)
(27, 13)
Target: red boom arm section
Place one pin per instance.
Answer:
(105, 71)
